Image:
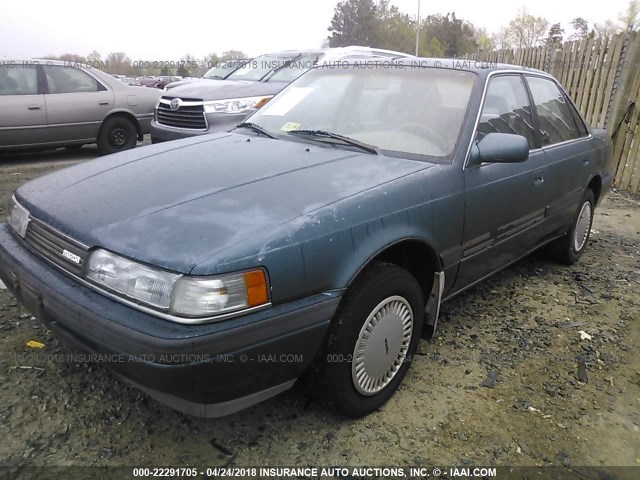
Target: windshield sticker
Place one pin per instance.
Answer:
(290, 126)
(287, 101)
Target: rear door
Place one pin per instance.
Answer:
(504, 202)
(77, 103)
(565, 142)
(23, 116)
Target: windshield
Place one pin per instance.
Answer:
(292, 70)
(223, 69)
(256, 69)
(400, 110)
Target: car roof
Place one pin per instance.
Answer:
(339, 52)
(481, 67)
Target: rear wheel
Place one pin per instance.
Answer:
(572, 245)
(372, 340)
(117, 134)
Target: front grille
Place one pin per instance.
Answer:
(56, 247)
(186, 116)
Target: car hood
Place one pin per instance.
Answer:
(179, 83)
(222, 89)
(176, 204)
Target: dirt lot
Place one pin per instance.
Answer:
(520, 328)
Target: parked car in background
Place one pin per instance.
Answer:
(159, 82)
(320, 237)
(224, 69)
(218, 72)
(201, 107)
(130, 81)
(49, 104)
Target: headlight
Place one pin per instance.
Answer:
(131, 279)
(176, 294)
(235, 105)
(197, 297)
(18, 217)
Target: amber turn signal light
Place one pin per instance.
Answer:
(257, 289)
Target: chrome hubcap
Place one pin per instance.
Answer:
(382, 345)
(582, 227)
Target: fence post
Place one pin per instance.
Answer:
(547, 58)
(618, 78)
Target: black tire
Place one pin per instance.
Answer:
(116, 135)
(334, 380)
(568, 248)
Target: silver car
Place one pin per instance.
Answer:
(206, 106)
(50, 104)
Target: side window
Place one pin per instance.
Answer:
(69, 80)
(582, 128)
(506, 109)
(557, 121)
(18, 80)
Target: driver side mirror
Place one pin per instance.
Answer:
(500, 148)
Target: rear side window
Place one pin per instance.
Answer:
(18, 80)
(69, 80)
(555, 113)
(506, 109)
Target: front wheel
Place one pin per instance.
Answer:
(372, 340)
(117, 134)
(572, 245)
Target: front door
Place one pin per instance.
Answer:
(504, 202)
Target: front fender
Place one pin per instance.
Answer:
(334, 261)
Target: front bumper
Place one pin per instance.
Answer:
(204, 370)
(144, 120)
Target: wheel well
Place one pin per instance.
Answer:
(128, 116)
(419, 259)
(596, 186)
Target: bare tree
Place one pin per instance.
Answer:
(502, 39)
(233, 55)
(94, 57)
(526, 30)
(485, 42)
(630, 18)
(604, 29)
(119, 63)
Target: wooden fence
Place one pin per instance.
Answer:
(602, 76)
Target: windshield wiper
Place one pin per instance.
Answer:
(340, 138)
(275, 70)
(256, 128)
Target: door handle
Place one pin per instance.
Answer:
(34, 107)
(586, 161)
(538, 177)
(103, 103)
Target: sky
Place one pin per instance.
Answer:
(166, 31)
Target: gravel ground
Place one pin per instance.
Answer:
(509, 380)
